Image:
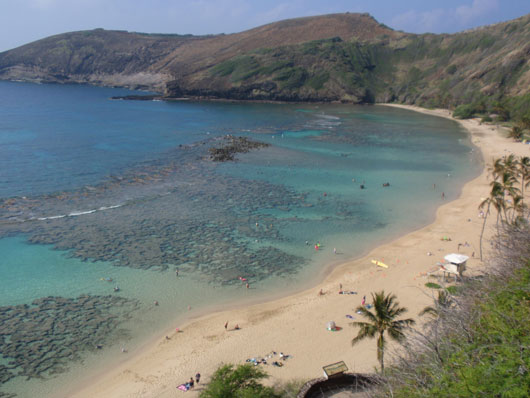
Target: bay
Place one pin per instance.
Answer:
(102, 201)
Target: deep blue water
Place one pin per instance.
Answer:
(93, 188)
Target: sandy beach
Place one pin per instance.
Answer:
(296, 324)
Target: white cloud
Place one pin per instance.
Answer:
(415, 21)
(477, 9)
(444, 20)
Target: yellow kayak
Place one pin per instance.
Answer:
(379, 263)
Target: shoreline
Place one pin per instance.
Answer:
(295, 324)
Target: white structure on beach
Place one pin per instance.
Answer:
(455, 264)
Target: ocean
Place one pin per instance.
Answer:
(115, 224)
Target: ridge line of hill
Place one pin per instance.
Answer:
(337, 57)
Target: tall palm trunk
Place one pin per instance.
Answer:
(522, 189)
(483, 227)
(381, 351)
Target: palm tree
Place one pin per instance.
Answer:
(511, 163)
(495, 194)
(504, 165)
(497, 168)
(507, 182)
(383, 319)
(524, 173)
(517, 208)
(516, 133)
(443, 301)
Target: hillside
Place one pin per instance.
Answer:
(339, 57)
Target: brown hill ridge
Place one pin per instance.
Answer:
(339, 57)
(150, 60)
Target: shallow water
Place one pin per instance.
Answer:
(93, 189)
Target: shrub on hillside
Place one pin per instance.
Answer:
(465, 111)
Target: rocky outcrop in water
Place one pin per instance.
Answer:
(231, 145)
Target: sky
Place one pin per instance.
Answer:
(23, 21)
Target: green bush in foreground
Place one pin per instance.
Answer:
(242, 381)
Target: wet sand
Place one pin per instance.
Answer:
(296, 324)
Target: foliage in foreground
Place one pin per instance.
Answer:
(242, 381)
(479, 346)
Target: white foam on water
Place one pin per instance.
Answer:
(78, 213)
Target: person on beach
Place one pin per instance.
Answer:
(321, 292)
(334, 250)
(226, 325)
(443, 195)
(177, 272)
(248, 286)
(197, 377)
(364, 301)
(237, 327)
(191, 382)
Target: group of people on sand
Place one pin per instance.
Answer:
(191, 383)
(264, 360)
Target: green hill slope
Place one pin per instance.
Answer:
(338, 57)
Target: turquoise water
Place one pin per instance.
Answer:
(93, 190)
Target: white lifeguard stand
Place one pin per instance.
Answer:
(455, 264)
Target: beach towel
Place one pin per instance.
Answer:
(349, 316)
(183, 387)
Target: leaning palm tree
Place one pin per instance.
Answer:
(496, 199)
(383, 319)
(524, 173)
(517, 207)
(496, 168)
(508, 180)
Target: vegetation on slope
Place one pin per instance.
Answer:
(487, 69)
(479, 347)
(338, 57)
(477, 342)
